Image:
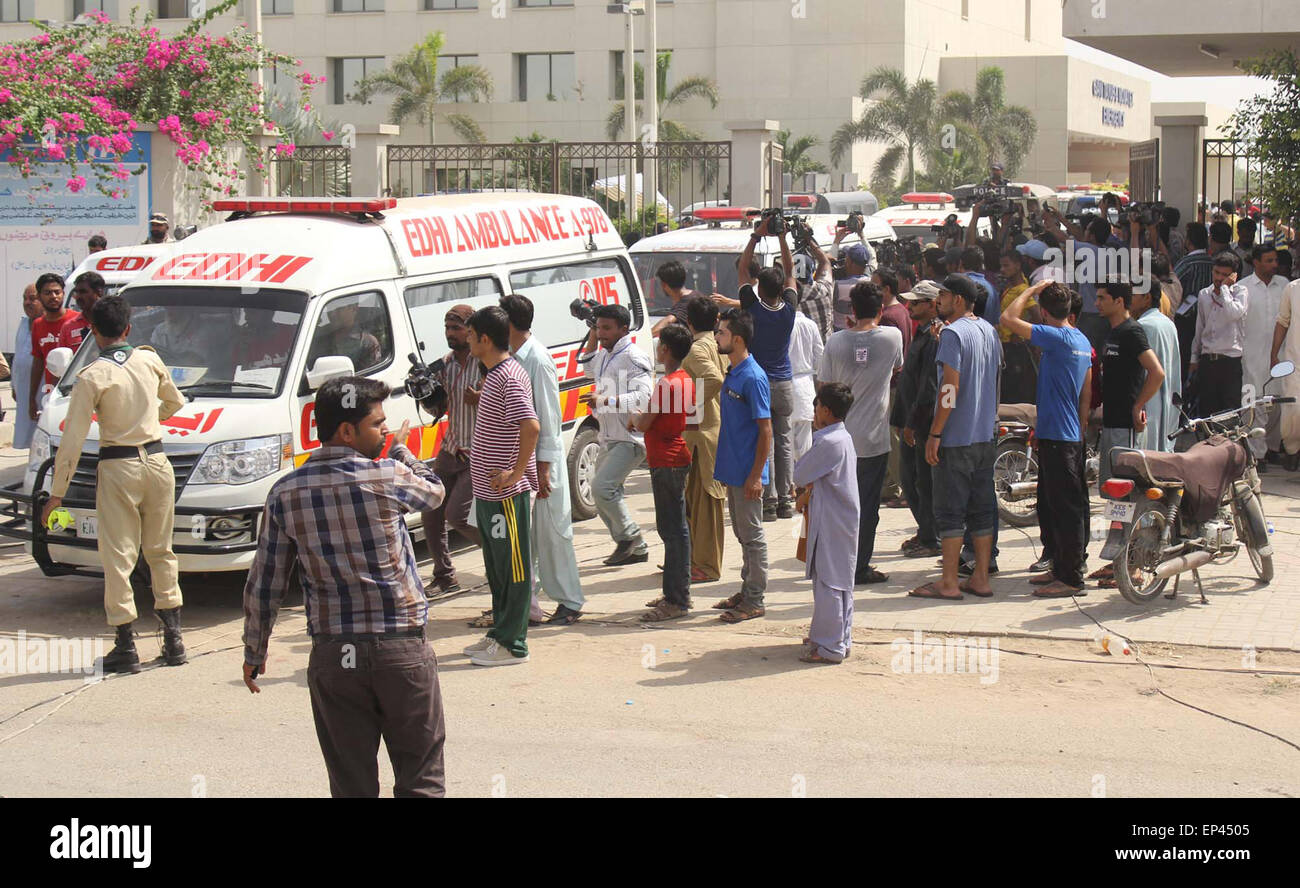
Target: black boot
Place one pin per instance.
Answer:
(173, 652)
(123, 657)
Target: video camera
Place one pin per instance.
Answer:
(424, 383)
(855, 223)
(950, 229)
(584, 310)
(780, 221)
(904, 251)
(1147, 213)
(997, 198)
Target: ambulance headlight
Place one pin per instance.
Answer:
(40, 451)
(239, 462)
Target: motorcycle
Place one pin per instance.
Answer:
(1171, 513)
(1015, 467)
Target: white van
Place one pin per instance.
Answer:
(920, 212)
(118, 265)
(709, 252)
(253, 315)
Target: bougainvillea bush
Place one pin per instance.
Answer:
(72, 96)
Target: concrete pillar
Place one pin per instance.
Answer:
(751, 142)
(1180, 161)
(369, 146)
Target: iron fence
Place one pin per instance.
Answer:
(1228, 172)
(313, 171)
(685, 175)
(1144, 171)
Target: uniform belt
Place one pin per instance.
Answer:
(354, 637)
(125, 451)
(1212, 358)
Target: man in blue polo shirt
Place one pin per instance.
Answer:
(1064, 400)
(743, 442)
(772, 309)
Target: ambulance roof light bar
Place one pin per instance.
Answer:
(927, 197)
(244, 205)
(715, 215)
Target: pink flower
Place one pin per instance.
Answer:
(285, 149)
(120, 143)
(327, 135)
(5, 95)
(54, 151)
(76, 183)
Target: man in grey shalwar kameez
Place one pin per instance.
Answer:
(1162, 336)
(555, 563)
(828, 474)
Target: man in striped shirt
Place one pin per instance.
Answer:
(503, 466)
(461, 379)
(339, 519)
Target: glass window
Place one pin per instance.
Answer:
(277, 7)
(215, 341)
(550, 76)
(706, 274)
(553, 288)
(450, 4)
(173, 8)
(455, 61)
(545, 2)
(358, 6)
(347, 71)
(81, 7)
(356, 327)
(616, 79)
(427, 305)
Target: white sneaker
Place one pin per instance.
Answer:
(477, 647)
(495, 655)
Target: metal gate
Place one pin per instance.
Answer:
(1228, 172)
(313, 171)
(1144, 171)
(686, 174)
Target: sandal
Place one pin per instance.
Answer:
(656, 602)
(730, 603)
(1043, 579)
(970, 590)
(564, 616)
(910, 543)
(665, 611)
(699, 576)
(930, 590)
(814, 657)
(1106, 570)
(741, 613)
(1057, 589)
(870, 575)
(483, 621)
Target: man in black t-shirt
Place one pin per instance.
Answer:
(1130, 373)
(672, 280)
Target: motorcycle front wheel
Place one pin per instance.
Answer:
(1136, 562)
(1014, 464)
(1253, 516)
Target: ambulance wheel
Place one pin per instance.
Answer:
(582, 472)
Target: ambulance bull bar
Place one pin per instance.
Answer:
(20, 515)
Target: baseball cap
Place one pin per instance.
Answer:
(960, 285)
(158, 217)
(922, 290)
(858, 253)
(996, 165)
(1034, 249)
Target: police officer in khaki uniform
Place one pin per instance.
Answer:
(129, 391)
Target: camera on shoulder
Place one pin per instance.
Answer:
(584, 310)
(424, 383)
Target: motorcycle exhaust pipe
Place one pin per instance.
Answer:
(1021, 490)
(1182, 564)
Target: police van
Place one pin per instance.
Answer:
(710, 251)
(253, 315)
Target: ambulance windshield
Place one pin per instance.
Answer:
(706, 274)
(216, 342)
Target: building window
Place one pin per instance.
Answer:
(1027, 21)
(81, 7)
(455, 61)
(616, 79)
(549, 76)
(449, 4)
(358, 5)
(965, 9)
(347, 71)
(277, 7)
(545, 2)
(175, 9)
(17, 10)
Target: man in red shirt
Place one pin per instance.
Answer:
(663, 422)
(45, 336)
(88, 289)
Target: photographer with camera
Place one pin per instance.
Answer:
(461, 377)
(623, 383)
(772, 308)
(817, 297)
(1092, 240)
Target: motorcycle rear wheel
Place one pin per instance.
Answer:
(1014, 463)
(1140, 554)
(1253, 517)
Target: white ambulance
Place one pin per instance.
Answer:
(253, 315)
(921, 211)
(118, 265)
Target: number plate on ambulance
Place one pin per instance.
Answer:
(88, 527)
(1117, 511)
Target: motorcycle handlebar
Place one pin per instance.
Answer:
(1220, 418)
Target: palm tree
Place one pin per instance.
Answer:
(1005, 132)
(901, 116)
(697, 87)
(795, 157)
(417, 89)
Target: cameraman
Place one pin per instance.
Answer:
(816, 297)
(856, 225)
(773, 309)
(623, 382)
(858, 261)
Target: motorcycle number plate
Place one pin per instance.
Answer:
(1118, 511)
(87, 527)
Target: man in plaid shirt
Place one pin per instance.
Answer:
(339, 519)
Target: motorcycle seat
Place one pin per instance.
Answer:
(1204, 470)
(1026, 413)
